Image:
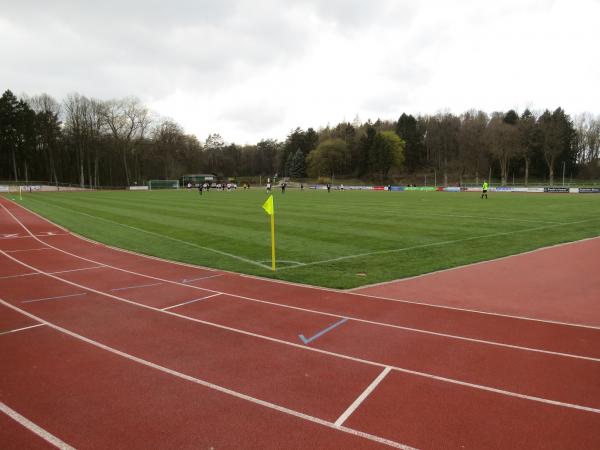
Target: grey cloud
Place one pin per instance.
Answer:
(254, 118)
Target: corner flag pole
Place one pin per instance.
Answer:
(270, 210)
(273, 242)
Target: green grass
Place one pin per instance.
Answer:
(340, 240)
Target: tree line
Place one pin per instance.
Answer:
(120, 142)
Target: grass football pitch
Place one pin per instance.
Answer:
(337, 239)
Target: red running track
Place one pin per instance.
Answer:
(193, 357)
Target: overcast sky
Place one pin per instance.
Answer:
(257, 69)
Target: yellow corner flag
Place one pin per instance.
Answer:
(270, 210)
(268, 206)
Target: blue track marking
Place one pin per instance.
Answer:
(321, 333)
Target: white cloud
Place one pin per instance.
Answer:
(257, 69)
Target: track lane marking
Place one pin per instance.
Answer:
(325, 352)
(190, 301)
(27, 250)
(322, 332)
(22, 329)
(58, 297)
(18, 276)
(319, 288)
(362, 397)
(417, 330)
(77, 270)
(210, 385)
(134, 287)
(191, 280)
(36, 429)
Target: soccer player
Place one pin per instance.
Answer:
(484, 189)
(200, 188)
(283, 187)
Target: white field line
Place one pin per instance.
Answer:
(494, 343)
(220, 252)
(48, 437)
(190, 301)
(432, 244)
(501, 258)
(314, 349)
(362, 397)
(22, 329)
(209, 385)
(460, 216)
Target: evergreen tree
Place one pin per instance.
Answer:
(414, 149)
(297, 168)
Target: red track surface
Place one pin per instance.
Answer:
(136, 352)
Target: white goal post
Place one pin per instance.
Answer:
(163, 184)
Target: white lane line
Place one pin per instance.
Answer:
(213, 386)
(432, 244)
(22, 329)
(53, 298)
(190, 301)
(362, 397)
(28, 250)
(325, 352)
(135, 286)
(36, 429)
(477, 311)
(185, 280)
(480, 341)
(318, 288)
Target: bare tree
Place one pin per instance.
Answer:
(471, 143)
(76, 111)
(127, 119)
(502, 139)
(47, 112)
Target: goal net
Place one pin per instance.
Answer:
(163, 184)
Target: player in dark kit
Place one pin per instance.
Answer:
(200, 188)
